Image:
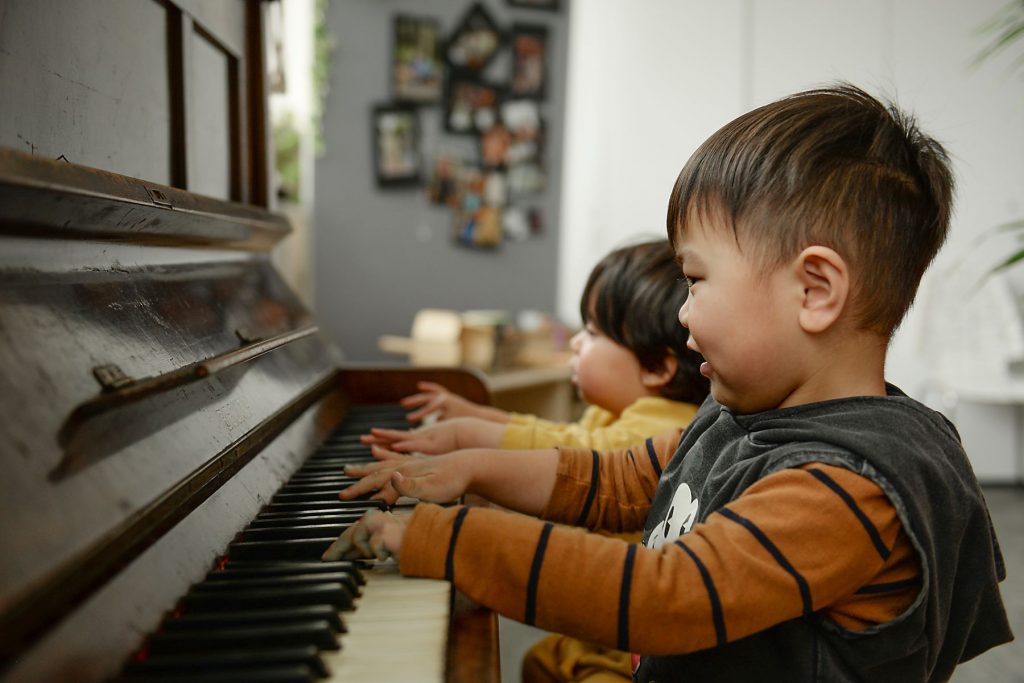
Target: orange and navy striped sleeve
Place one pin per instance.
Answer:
(611, 490)
(816, 539)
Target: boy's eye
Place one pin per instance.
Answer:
(690, 280)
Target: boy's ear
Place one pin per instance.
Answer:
(826, 282)
(656, 379)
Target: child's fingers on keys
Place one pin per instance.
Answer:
(430, 489)
(413, 400)
(389, 435)
(377, 545)
(341, 546)
(363, 469)
(374, 481)
(385, 454)
(352, 542)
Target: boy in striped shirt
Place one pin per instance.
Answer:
(813, 523)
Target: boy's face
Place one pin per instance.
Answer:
(606, 374)
(741, 320)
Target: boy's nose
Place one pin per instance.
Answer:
(684, 314)
(574, 343)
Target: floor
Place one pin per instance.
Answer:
(1004, 664)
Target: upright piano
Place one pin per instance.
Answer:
(173, 425)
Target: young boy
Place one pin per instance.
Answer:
(814, 523)
(629, 363)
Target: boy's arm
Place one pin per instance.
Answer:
(610, 491)
(518, 480)
(791, 545)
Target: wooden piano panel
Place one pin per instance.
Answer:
(118, 496)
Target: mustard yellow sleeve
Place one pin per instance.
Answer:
(528, 431)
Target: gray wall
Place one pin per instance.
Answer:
(381, 255)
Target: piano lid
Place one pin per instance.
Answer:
(143, 332)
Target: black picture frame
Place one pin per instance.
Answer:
(471, 106)
(550, 5)
(395, 132)
(529, 43)
(475, 41)
(417, 63)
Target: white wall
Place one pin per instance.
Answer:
(650, 80)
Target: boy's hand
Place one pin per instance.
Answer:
(440, 479)
(376, 534)
(443, 437)
(435, 399)
(430, 440)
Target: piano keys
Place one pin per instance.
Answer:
(161, 393)
(271, 611)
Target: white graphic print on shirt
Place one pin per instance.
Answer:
(679, 519)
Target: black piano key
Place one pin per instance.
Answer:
(231, 580)
(327, 506)
(282, 533)
(333, 465)
(306, 655)
(329, 467)
(315, 479)
(335, 505)
(334, 594)
(345, 439)
(325, 485)
(278, 568)
(304, 520)
(278, 674)
(333, 450)
(250, 617)
(317, 497)
(318, 633)
(296, 549)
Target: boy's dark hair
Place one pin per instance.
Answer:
(833, 167)
(633, 296)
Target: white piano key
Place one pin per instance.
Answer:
(398, 631)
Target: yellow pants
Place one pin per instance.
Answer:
(561, 659)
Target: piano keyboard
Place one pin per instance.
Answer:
(272, 612)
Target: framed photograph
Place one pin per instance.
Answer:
(470, 106)
(396, 145)
(475, 40)
(529, 60)
(551, 5)
(417, 69)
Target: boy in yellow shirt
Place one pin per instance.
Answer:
(630, 364)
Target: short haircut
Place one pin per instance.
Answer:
(833, 167)
(633, 296)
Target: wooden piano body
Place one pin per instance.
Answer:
(158, 383)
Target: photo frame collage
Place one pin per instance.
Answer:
(504, 118)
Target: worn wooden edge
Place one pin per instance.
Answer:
(374, 383)
(42, 197)
(473, 652)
